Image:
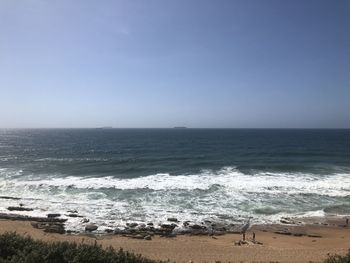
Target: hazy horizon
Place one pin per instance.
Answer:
(161, 64)
(166, 128)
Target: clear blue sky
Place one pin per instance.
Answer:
(165, 63)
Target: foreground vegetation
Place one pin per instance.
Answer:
(338, 259)
(19, 249)
(23, 249)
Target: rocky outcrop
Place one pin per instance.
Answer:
(170, 227)
(74, 215)
(109, 230)
(197, 227)
(132, 224)
(173, 219)
(148, 237)
(49, 227)
(53, 215)
(91, 227)
(19, 208)
(9, 197)
(31, 218)
(287, 221)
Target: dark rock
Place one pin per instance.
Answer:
(170, 235)
(19, 208)
(72, 211)
(221, 229)
(31, 218)
(150, 224)
(173, 219)
(53, 215)
(52, 220)
(90, 227)
(132, 224)
(184, 231)
(148, 237)
(186, 223)
(49, 227)
(108, 230)
(288, 221)
(197, 227)
(118, 231)
(168, 226)
(74, 215)
(10, 197)
(131, 230)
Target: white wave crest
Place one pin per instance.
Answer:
(229, 179)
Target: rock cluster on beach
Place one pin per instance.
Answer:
(55, 223)
(48, 224)
(50, 227)
(171, 229)
(19, 208)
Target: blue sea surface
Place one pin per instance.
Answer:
(114, 176)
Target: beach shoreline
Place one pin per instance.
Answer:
(312, 240)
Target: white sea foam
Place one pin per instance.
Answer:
(229, 178)
(227, 194)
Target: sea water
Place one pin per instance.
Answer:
(115, 176)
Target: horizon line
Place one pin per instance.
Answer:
(173, 128)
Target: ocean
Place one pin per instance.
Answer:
(116, 176)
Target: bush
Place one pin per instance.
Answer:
(338, 259)
(23, 249)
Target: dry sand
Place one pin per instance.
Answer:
(276, 247)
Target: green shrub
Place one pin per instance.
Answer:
(338, 259)
(19, 249)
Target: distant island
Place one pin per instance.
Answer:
(105, 128)
(180, 127)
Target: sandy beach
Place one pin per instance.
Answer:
(310, 242)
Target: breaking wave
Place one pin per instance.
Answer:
(227, 178)
(226, 194)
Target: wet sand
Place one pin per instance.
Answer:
(304, 243)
